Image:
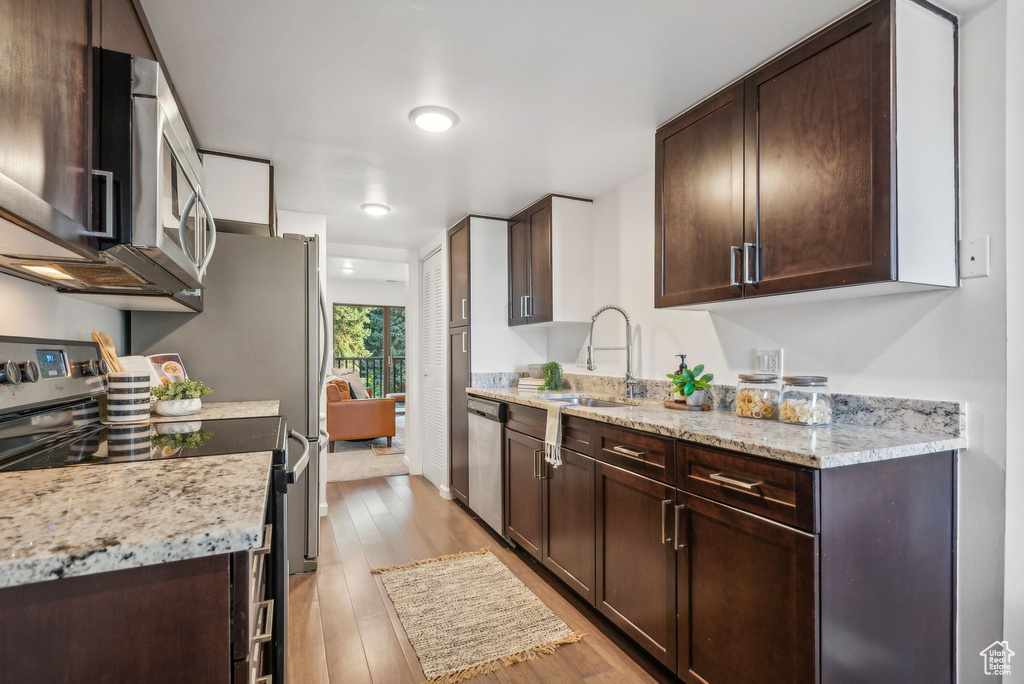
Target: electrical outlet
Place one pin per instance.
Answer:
(769, 360)
(974, 258)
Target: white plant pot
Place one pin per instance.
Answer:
(695, 399)
(180, 407)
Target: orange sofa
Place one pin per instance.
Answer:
(350, 419)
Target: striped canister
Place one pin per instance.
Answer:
(127, 397)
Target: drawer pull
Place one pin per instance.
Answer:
(268, 623)
(743, 484)
(267, 530)
(639, 455)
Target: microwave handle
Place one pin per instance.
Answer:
(108, 203)
(213, 236)
(181, 227)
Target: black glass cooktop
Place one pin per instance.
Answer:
(101, 444)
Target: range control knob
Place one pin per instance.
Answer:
(91, 368)
(29, 371)
(9, 373)
(103, 367)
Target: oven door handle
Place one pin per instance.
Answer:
(300, 466)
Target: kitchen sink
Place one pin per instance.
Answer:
(594, 403)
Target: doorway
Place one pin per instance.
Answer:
(371, 340)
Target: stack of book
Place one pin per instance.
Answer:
(530, 385)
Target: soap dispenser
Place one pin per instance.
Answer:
(682, 363)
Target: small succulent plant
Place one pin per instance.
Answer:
(552, 376)
(688, 381)
(187, 389)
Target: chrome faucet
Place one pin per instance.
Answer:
(634, 387)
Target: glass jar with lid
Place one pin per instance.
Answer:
(757, 396)
(806, 400)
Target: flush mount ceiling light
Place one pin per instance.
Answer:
(375, 209)
(348, 269)
(433, 119)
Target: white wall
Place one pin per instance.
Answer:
(369, 292)
(1013, 629)
(941, 345)
(31, 310)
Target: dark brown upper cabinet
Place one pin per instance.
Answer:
(832, 165)
(549, 259)
(699, 195)
(458, 274)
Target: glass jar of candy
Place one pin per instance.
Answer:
(757, 396)
(806, 400)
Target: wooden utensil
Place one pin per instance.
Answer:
(107, 351)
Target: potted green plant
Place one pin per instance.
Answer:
(552, 376)
(180, 398)
(691, 384)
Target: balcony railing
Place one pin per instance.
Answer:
(371, 372)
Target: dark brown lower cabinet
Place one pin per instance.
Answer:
(523, 492)
(568, 539)
(458, 435)
(636, 559)
(747, 597)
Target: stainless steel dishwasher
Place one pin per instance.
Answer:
(486, 472)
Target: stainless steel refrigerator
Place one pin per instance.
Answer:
(263, 334)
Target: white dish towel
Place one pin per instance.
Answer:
(553, 436)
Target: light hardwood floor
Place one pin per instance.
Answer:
(342, 627)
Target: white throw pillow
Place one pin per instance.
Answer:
(351, 376)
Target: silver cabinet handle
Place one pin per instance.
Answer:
(746, 264)
(464, 309)
(108, 203)
(725, 479)
(664, 521)
(463, 343)
(529, 305)
(536, 461)
(268, 625)
(732, 266)
(213, 236)
(675, 527)
(300, 465)
(629, 452)
(522, 306)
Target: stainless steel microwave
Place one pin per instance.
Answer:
(151, 224)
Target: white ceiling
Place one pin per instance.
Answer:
(366, 269)
(559, 96)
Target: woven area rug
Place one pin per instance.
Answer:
(467, 615)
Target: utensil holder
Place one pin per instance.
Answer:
(128, 397)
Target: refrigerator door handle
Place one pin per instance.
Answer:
(300, 466)
(327, 340)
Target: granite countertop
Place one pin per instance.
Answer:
(815, 447)
(219, 409)
(65, 522)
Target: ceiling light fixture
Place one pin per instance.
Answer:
(348, 269)
(375, 209)
(433, 119)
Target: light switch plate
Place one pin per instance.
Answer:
(974, 258)
(769, 360)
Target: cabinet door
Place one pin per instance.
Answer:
(539, 304)
(699, 203)
(569, 522)
(121, 29)
(748, 597)
(523, 497)
(458, 436)
(818, 161)
(518, 269)
(458, 275)
(44, 113)
(636, 563)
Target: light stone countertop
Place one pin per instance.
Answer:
(219, 409)
(65, 522)
(815, 447)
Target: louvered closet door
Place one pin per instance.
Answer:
(435, 328)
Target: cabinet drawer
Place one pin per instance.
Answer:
(526, 420)
(776, 491)
(578, 435)
(638, 452)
